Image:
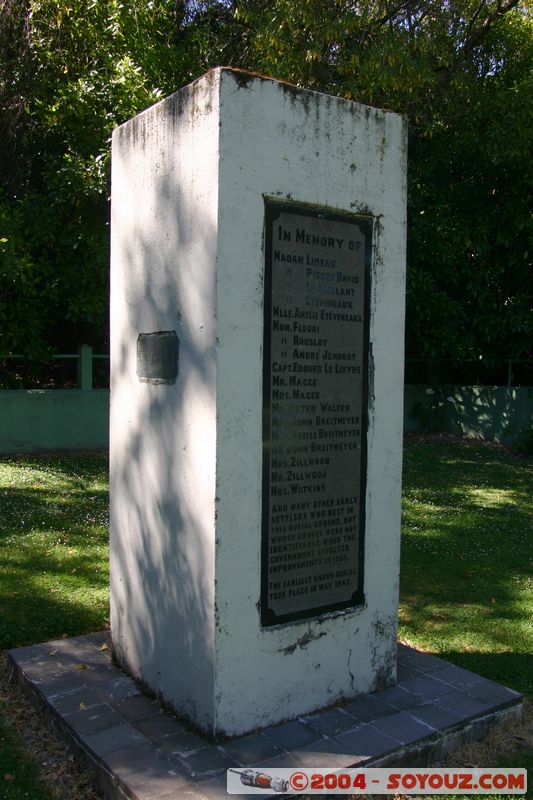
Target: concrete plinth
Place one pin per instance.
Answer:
(140, 752)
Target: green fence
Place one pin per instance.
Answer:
(493, 413)
(77, 418)
(33, 420)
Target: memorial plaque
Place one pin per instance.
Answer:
(317, 288)
(157, 357)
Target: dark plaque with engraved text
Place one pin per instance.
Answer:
(315, 394)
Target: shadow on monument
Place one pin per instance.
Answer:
(176, 597)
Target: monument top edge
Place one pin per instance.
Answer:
(246, 79)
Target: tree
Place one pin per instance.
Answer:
(70, 70)
(460, 70)
(461, 73)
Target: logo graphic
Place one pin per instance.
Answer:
(250, 777)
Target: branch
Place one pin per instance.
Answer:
(406, 7)
(476, 37)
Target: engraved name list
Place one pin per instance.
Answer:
(315, 397)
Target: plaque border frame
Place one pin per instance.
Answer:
(273, 207)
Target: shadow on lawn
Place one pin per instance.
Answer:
(46, 618)
(466, 559)
(53, 556)
(511, 669)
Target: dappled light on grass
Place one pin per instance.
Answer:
(467, 558)
(54, 547)
(487, 496)
(466, 572)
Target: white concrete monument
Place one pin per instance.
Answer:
(258, 266)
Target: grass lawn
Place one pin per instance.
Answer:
(467, 566)
(54, 548)
(53, 573)
(467, 559)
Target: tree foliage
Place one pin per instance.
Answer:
(461, 73)
(460, 70)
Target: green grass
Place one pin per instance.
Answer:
(54, 548)
(467, 562)
(466, 570)
(53, 571)
(467, 559)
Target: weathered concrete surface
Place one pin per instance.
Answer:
(189, 180)
(136, 750)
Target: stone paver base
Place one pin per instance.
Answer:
(139, 751)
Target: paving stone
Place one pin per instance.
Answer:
(181, 743)
(190, 791)
(430, 664)
(422, 662)
(46, 667)
(134, 708)
(119, 688)
(112, 739)
(292, 734)
(332, 722)
(158, 725)
(462, 703)
(146, 786)
(93, 720)
(206, 762)
(99, 638)
(215, 788)
(145, 771)
(403, 672)
(331, 753)
(101, 673)
(493, 693)
(368, 708)
(435, 716)
(284, 759)
(478, 687)
(251, 749)
(459, 678)
(71, 701)
(403, 727)
(426, 685)
(133, 758)
(406, 654)
(67, 676)
(116, 728)
(30, 654)
(81, 648)
(60, 683)
(399, 697)
(365, 742)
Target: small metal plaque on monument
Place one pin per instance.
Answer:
(315, 390)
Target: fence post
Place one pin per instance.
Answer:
(85, 368)
(433, 372)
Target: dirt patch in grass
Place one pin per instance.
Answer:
(62, 772)
(504, 743)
